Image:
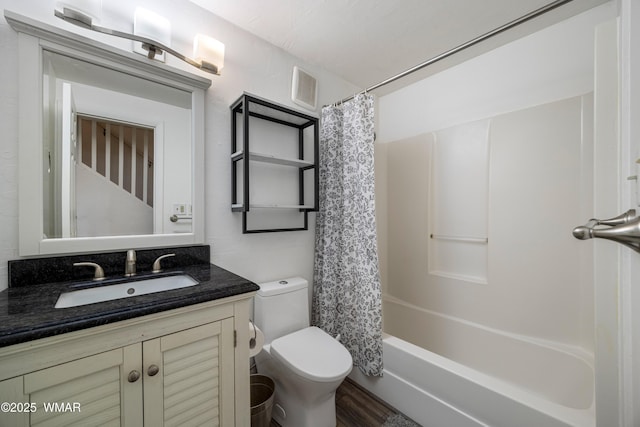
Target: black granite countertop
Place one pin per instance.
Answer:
(28, 312)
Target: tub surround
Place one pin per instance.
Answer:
(27, 308)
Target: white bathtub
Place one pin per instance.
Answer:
(474, 376)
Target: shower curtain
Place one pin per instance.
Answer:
(346, 291)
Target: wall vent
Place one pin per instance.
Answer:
(304, 88)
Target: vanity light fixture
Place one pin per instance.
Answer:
(208, 51)
(83, 10)
(151, 26)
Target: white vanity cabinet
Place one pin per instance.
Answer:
(175, 368)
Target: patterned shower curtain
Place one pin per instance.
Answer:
(346, 291)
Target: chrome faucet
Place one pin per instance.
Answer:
(130, 266)
(157, 268)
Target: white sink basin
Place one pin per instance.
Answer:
(123, 290)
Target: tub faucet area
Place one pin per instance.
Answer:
(130, 265)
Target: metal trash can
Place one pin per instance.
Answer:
(262, 391)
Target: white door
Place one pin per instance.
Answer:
(68, 151)
(607, 205)
(629, 298)
(617, 268)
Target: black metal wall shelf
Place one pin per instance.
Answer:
(301, 155)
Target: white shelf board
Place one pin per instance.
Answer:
(272, 206)
(268, 158)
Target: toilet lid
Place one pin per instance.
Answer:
(313, 354)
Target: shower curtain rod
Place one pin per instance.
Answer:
(544, 9)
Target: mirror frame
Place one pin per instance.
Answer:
(33, 38)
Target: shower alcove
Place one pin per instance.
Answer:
(486, 293)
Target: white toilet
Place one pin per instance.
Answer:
(306, 363)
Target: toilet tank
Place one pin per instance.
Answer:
(281, 307)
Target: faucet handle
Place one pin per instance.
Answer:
(156, 268)
(98, 273)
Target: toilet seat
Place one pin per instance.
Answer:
(313, 354)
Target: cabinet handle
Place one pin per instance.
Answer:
(153, 370)
(133, 376)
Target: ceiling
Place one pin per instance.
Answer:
(368, 41)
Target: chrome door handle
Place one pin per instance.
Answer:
(624, 228)
(623, 218)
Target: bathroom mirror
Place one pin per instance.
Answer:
(111, 146)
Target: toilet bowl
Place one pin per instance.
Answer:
(306, 364)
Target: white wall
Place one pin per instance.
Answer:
(524, 293)
(100, 205)
(251, 65)
(552, 64)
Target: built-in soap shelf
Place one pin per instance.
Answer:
(466, 239)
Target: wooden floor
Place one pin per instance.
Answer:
(355, 407)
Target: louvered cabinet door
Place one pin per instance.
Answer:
(189, 377)
(12, 391)
(93, 391)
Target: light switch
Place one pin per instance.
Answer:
(179, 209)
